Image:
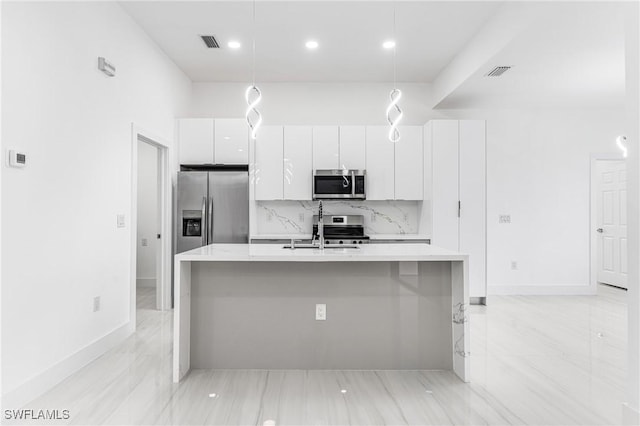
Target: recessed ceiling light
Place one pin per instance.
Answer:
(234, 44)
(311, 44)
(389, 44)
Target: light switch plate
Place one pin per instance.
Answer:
(120, 219)
(321, 312)
(504, 218)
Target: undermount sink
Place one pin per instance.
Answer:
(316, 246)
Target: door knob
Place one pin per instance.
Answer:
(600, 230)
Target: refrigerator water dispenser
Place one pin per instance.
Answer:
(191, 223)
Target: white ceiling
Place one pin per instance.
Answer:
(572, 56)
(350, 34)
(562, 53)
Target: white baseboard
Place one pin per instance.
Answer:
(146, 282)
(630, 416)
(47, 379)
(539, 290)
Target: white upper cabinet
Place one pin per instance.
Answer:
(325, 147)
(379, 164)
(352, 147)
(195, 140)
(268, 163)
(297, 162)
(408, 164)
(231, 141)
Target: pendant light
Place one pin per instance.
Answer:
(394, 113)
(253, 96)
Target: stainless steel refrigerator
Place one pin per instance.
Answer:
(212, 207)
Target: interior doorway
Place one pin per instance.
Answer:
(150, 243)
(609, 222)
(148, 215)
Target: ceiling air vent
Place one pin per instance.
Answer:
(210, 41)
(498, 71)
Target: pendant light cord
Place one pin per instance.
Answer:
(395, 45)
(254, 43)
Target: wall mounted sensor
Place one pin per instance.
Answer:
(17, 159)
(106, 67)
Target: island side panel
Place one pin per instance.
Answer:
(379, 316)
(460, 318)
(182, 320)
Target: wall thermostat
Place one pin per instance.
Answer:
(17, 159)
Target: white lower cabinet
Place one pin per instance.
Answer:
(268, 171)
(379, 164)
(459, 194)
(297, 162)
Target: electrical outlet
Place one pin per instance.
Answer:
(269, 217)
(96, 304)
(405, 217)
(301, 217)
(504, 218)
(120, 220)
(514, 265)
(373, 217)
(144, 242)
(321, 312)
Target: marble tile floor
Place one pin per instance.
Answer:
(537, 360)
(145, 298)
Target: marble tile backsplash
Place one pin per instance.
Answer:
(380, 217)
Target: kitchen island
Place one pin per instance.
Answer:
(254, 306)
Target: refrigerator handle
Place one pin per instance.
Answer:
(204, 221)
(210, 227)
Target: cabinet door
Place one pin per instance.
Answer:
(380, 164)
(231, 141)
(195, 137)
(268, 163)
(408, 164)
(297, 162)
(352, 147)
(325, 147)
(445, 183)
(472, 178)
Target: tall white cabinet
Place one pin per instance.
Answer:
(459, 194)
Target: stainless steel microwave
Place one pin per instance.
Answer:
(339, 184)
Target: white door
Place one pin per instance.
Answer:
(612, 223)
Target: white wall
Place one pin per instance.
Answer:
(147, 215)
(632, 130)
(538, 171)
(314, 104)
(60, 244)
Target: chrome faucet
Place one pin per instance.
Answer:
(320, 226)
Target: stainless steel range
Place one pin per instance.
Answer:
(343, 229)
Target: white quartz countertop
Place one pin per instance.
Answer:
(398, 237)
(371, 236)
(275, 253)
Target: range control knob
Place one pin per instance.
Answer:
(341, 242)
